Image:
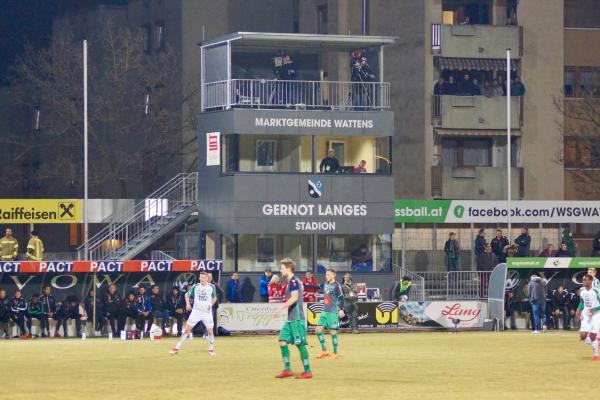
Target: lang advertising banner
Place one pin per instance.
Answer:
(482, 211)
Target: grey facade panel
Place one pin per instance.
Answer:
(347, 189)
(291, 192)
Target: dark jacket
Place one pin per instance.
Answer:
(596, 245)
(49, 303)
(220, 295)
(129, 308)
(234, 291)
(536, 289)
(574, 300)
(560, 300)
(479, 244)
(263, 285)
(450, 88)
(451, 248)
(69, 308)
(17, 306)
(175, 301)
(35, 310)
(467, 88)
(156, 303)
(523, 242)
(111, 303)
(144, 304)
(247, 291)
(4, 309)
(562, 253)
(439, 89)
(329, 165)
(498, 248)
(486, 261)
(88, 304)
(510, 305)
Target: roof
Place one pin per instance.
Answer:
(476, 64)
(300, 41)
(476, 132)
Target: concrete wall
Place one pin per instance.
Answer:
(582, 47)
(542, 74)
(582, 14)
(479, 41)
(478, 183)
(478, 112)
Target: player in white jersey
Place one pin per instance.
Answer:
(589, 313)
(596, 282)
(204, 296)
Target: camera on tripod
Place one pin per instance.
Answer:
(362, 76)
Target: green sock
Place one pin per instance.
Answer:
(304, 357)
(334, 339)
(285, 354)
(322, 341)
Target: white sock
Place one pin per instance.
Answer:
(587, 340)
(595, 347)
(181, 340)
(211, 342)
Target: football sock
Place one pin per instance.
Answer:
(595, 347)
(334, 339)
(304, 357)
(211, 342)
(181, 340)
(285, 354)
(321, 338)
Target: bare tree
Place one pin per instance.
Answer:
(137, 113)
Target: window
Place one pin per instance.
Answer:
(160, 36)
(322, 20)
(580, 82)
(30, 176)
(265, 250)
(339, 148)
(359, 253)
(581, 152)
(467, 12)
(147, 38)
(466, 152)
(265, 154)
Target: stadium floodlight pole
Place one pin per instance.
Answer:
(508, 142)
(85, 152)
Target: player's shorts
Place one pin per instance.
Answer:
(197, 316)
(293, 332)
(329, 320)
(590, 324)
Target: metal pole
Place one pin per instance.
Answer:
(402, 246)
(85, 154)
(94, 316)
(508, 142)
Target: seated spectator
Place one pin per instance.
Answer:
(466, 86)
(159, 310)
(69, 309)
(548, 251)
(517, 88)
(35, 309)
(510, 308)
(176, 307)
(401, 290)
(501, 83)
(330, 164)
(88, 305)
(145, 309)
(18, 309)
(276, 290)
(440, 87)
(311, 287)
(362, 259)
(488, 89)
(234, 289)
(49, 303)
(496, 88)
(129, 309)
(450, 87)
(465, 21)
(560, 304)
(476, 87)
(4, 315)
(111, 304)
(563, 251)
(573, 304)
(596, 245)
(361, 168)
(487, 260)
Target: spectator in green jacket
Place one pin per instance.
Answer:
(401, 290)
(35, 309)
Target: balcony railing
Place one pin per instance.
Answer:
(476, 41)
(475, 112)
(483, 183)
(264, 93)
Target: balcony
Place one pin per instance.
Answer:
(475, 112)
(314, 95)
(476, 41)
(476, 183)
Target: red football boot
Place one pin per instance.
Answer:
(304, 375)
(284, 374)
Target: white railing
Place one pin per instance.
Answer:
(160, 255)
(457, 285)
(145, 218)
(265, 93)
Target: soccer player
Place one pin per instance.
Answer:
(596, 282)
(204, 295)
(589, 314)
(333, 310)
(294, 329)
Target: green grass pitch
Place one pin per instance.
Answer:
(467, 365)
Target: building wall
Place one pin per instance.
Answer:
(582, 47)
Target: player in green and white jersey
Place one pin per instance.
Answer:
(589, 314)
(333, 310)
(596, 282)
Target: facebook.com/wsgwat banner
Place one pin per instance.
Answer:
(483, 211)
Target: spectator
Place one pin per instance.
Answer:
(247, 291)
(496, 88)
(145, 310)
(276, 291)
(452, 250)
(537, 298)
(440, 87)
(9, 246)
(451, 87)
(176, 307)
(350, 300)
(523, 241)
(35, 247)
(476, 87)
(263, 285)
(401, 290)
(548, 251)
(35, 309)
(510, 250)
(499, 242)
(501, 83)
(480, 242)
(567, 238)
(523, 305)
(159, 310)
(49, 304)
(361, 168)
(88, 305)
(18, 309)
(510, 307)
(596, 245)
(488, 89)
(215, 307)
(517, 88)
(560, 304)
(234, 289)
(487, 260)
(563, 251)
(4, 315)
(69, 309)
(311, 287)
(111, 303)
(574, 301)
(330, 164)
(362, 259)
(466, 86)
(465, 21)
(129, 309)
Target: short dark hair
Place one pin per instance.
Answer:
(289, 264)
(481, 230)
(406, 278)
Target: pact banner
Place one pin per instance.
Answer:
(251, 317)
(45, 267)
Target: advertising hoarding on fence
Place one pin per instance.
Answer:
(40, 211)
(251, 317)
(483, 211)
(553, 262)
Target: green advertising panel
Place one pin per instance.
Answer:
(553, 262)
(417, 211)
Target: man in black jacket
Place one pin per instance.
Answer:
(4, 315)
(330, 164)
(560, 303)
(158, 308)
(573, 304)
(69, 309)
(128, 310)
(176, 307)
(523, 241)
(498, 244)
(49, 303)
(110, 308)
(480, 242)
(18, 308)
(510, 307)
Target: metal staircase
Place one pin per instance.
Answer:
(145, 223)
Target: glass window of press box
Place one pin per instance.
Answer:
(306, 154)
(358, 253)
